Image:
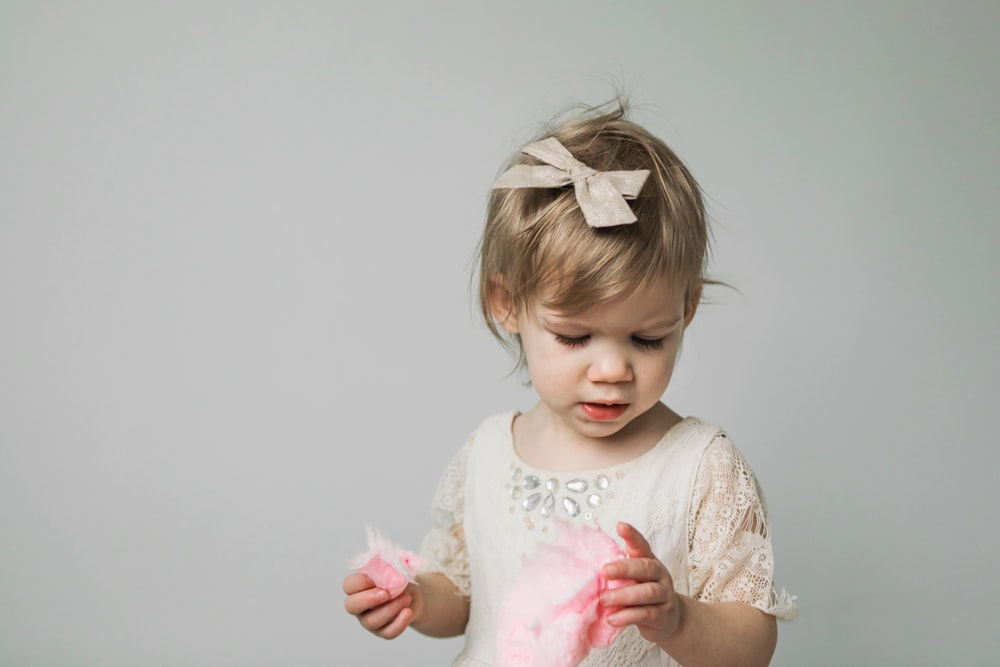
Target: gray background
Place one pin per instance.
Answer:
(234, 252)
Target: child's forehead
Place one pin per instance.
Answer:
(659, 303)
(606, 289)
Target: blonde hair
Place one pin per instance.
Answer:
(537, 247)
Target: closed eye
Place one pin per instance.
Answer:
(572, 341)
(648, 343)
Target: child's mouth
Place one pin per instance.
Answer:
(604, 411)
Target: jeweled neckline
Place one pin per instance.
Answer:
(548, 495)
(575, 495)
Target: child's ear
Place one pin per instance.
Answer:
(691, 302)
(502, 306)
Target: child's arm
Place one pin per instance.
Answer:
(433, 606)
(439, 609)
(693, 633)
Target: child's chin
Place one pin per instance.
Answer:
(604, 429)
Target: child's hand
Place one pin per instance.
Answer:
(378, 614)
(648, 601)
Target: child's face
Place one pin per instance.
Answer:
(598, 370)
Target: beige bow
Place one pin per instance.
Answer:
(600, 194)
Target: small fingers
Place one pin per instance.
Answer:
(656, 622)
(635, 543)
(377, 613)
(637, 595)
(385, 620)
(640, 616)
(637, 569)
(357, 582)
(397, 625)
(365, 601)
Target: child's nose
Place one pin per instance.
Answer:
(610, 364)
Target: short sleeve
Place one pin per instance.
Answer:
(444, 549)
(730, 549)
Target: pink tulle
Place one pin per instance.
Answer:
(552, 615)
(388, 566)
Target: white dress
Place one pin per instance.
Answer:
(692, 496)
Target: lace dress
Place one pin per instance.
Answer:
(692, 496)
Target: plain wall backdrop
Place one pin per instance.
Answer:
(235, 325)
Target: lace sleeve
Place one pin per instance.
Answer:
(728, 541)
(444, 547)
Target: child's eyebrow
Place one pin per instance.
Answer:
(667, 323)
(549, 321)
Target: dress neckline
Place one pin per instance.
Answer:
(669, 434)
(580, 495)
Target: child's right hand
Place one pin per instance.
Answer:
(377, 613)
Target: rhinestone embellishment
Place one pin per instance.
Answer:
(549, 496)
(548, 506)
(571, 506)
(531, 502)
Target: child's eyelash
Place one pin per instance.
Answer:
(572, 341)
(648, 343)
(580, 341)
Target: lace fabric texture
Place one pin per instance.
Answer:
(729, 547)
(444, 548)
(694, 497)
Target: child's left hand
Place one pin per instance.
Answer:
(648, 601)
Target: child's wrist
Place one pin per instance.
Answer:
(682, 604)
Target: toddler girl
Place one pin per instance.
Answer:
(591, 267)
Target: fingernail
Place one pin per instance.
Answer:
(381, 595)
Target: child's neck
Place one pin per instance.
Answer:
(543, 442)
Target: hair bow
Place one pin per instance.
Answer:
(600, 194)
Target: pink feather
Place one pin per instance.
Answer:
(552, 615)
(389, 566)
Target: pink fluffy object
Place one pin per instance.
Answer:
(389, 566)
(552, 615)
